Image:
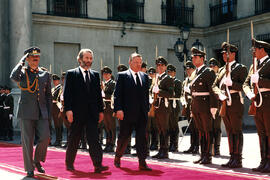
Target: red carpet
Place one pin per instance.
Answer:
(11, 160)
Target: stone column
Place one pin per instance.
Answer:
(20, 18)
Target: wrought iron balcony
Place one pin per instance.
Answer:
(224, 12)
(262, 6)
(177, 16)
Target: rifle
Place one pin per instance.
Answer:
(152, 108)
(222, 111)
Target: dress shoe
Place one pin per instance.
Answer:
(70, 168)
(261, 166)
(101, 168)
(117, 162)
(206, 160)
(157, 155)
(229, 162)
(39, 167)
(30, 174)
(266, 168)
(199, 160)
(143, 166)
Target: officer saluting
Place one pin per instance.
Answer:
(34, 108)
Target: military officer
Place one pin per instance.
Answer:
(2, 98)
(214, 65)
(164, 88)
(174, 115)
(8, 114)
(57, 119)
(228, 87)
(34, 108)
(109, 120)
(204, 103)
(186, 111)
(261, 78)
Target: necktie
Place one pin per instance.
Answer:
(258, 64)
(138, 83)
(196, 71)
(87, 80)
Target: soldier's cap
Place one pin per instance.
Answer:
(144, 65)
(213, 62)
(260, 44)
(197, 52)
(161, 60)
(63, 74)
(1, 87)
(121, 67)
(225, 46)
(171, 67)
(151, 70)
(55, 77)
(33, 51)
(106, 70)
(7, 88)
(190, 65)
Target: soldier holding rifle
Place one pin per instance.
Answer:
(259, 78)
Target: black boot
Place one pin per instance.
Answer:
(237, 160)
(263, 149)
(207, 159)
(266, 168)
(217, 136)
(154, 141)
(196, 142)
(173, 141)
(202, 142)
(231, 144)
(162, 144)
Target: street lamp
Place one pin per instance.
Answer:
(180, 47)
(197, 44)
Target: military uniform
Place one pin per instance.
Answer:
(34, 110)
(109, 120)
(174, 115)
(262, 115)
(58, 121)
(163, 109)
(186, 111)
(202, 100)
(8, 115)
(2, 99)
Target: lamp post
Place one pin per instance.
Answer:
(180, 47)
(197, 44)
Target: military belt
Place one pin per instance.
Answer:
(7, 107)
(264, 89)
(234, 91)
(174, 99)
(107, 100)
(200, 94)
(54, 101)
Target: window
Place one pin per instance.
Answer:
(72, 8)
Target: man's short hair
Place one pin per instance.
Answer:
(133, 55)
(82, 51)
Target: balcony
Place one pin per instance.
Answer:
(223, 13)
(69, 8)
(262, 6)
(177, 16)
(126, 11)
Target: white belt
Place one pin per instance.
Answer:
(7, 107)
(54, 101)
(234, 91)
(200, 93)
(107, 100)
(264, 89)
(174, 99)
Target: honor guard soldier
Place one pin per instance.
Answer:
(2, 99)
(109, 120)
(57, 119)
(257, 88)
(34, 108)
(186, 111)
(203, 103)
(175, 104)
(152, 132)
(8, 114)
(164, 89)
(228, 87)
(214, 65)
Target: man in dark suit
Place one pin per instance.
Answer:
(84, 109)
(34, 108)
(131, 105)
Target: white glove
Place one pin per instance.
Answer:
(254, 78)
(155, 89)
(187, 89)
(250, 95)
(102, 93)
(151, 100)
(213, 112)
(22, 60)
(222, 97)
(10, 116)
(228, 81)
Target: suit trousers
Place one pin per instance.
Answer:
(30, 128)
(126, 128)
(90, 121)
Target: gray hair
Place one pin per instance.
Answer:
(82, 51)
(133, 55)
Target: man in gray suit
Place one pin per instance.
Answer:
(34, 108)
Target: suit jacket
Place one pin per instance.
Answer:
(125, 95)
(30, 104)
(76, 96)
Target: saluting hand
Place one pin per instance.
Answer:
(69, 116)
(120, 115)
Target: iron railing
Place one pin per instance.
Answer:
(223, 13)
(69, 8)
(177, 16)
(262, 6)
(127, 11)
